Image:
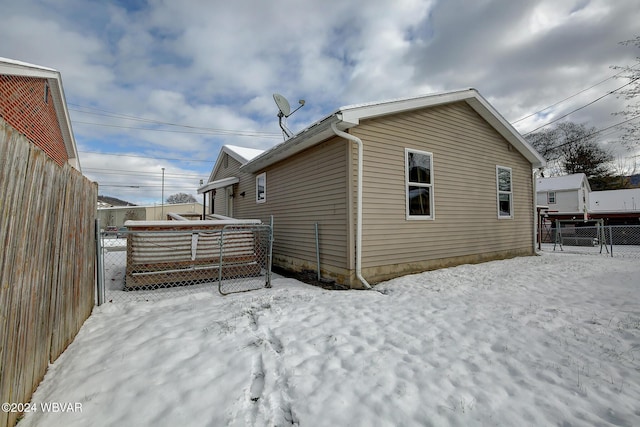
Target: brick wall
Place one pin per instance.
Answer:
(23, 106)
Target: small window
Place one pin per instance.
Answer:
(505, 193)
(551, 197)
(261, 188)
(419, 184)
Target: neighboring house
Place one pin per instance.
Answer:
(566, 196)
(32, 101)
(570, 197)
(617, 207)
(118, 215)
(394, 187)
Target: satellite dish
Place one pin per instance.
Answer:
(283, 104)
(285, 111)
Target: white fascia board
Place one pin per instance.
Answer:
(314, 134)
(350, 116)
(225, 182)
(54, 79)
(353, 113)
(64, 119)
(499, 123)
(228, 150)
(24, 69)
(214, 171)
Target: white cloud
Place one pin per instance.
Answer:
(216, 64)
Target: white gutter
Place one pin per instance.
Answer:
(359, 203)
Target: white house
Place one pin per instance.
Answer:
(570, 197)
(566, 195)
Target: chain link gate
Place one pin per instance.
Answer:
(154, 264)
(245, 253)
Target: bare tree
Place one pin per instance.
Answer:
(572, 148)
(180, 198)
(631, 93)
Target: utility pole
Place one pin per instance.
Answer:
(162, 202)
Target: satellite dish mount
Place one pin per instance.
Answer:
(284, 111)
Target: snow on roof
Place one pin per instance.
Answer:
(615, 200)
(12, 67)
(566, 182)
(246, 154)
(351, 115)
(24, 64)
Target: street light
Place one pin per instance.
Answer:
(162, 201)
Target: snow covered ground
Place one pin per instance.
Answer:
(548, 340)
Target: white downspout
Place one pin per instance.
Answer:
(359, 203)
(536, 215)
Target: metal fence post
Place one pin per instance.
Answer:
(611, 239)
(100, 267)
(269, 252)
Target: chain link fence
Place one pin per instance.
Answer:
(154, 264)
(609, 240)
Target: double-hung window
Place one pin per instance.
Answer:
(419, 184)
(551, 197)
(261, 188)
(505, 192)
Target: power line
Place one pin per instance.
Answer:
(211, 132)
(147, 157)
(129, 172)
(574, 95)
(205, 130)
(584, 106)
(595, 132)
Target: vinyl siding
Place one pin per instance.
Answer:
(566, 200)
(466, 151)
(308, 188)
(232, 169)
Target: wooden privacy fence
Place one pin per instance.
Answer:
(47, 263)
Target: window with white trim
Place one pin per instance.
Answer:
(419, 184)
(551, 197)
(505, 192)
(261, 188)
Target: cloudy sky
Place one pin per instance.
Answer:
(160, 83)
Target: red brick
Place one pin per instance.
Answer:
(22, 106)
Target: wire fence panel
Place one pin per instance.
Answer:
(245, 253)
(613, 240)
(152, 265)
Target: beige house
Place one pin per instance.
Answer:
(395, 187)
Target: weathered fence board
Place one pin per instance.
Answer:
(47, 263)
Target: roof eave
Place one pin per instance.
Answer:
(64, 120)
(350, 116)
(355, 113)
(504, 128)
(471, 96)
(314, 134)
(241, 159)
(224, 182)
(54, 79)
